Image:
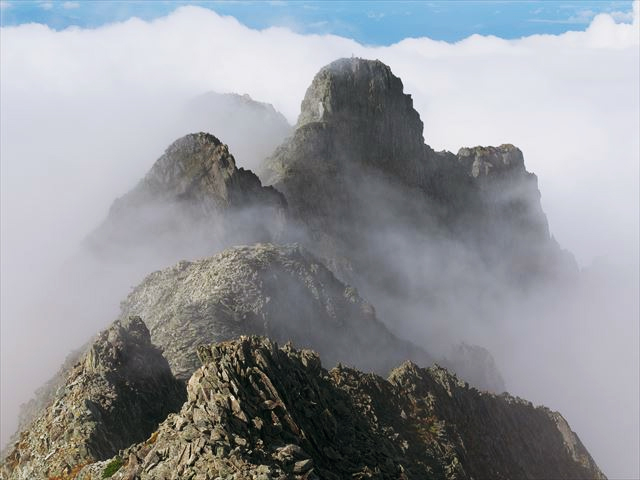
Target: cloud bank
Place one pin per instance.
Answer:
(84, 114)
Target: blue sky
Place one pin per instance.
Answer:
(374, 23)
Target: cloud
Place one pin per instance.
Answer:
(85, 114)
(375, 15)
(70, 5)
(625, 17)
(46, 5)
(586, 16)
(4, 4)
(320, 24)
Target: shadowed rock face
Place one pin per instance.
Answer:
(356, 171)
(280, 291)
(258, 411)
(193, 200)
(116, 395)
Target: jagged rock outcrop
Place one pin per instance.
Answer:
(357, 174)
(252, 129)
(116, 395)
(256, 411)
(280, 291)
(193, 199)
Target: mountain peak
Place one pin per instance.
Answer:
(191, 163)
(356, 90)
(187, 194)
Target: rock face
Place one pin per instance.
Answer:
(357, 174)
(280, 291)
(193, 198)
(116, 395)
(258, 411)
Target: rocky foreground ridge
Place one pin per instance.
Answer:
(257, 411)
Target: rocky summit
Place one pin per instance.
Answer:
(257, 411)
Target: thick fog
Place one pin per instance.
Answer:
(85, 113)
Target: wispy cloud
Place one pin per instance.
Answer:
(375, 15)
(583, 17)
(4, 4)
(622, 17)
(46, 5)
(320, 24)
(70, 5)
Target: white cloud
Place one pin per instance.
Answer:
(46, 5)
(70, 5)
(84, 116)
(4, 4)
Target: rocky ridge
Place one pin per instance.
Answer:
(281, 291)
(256, 411)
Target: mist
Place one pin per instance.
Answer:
(85, 113)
